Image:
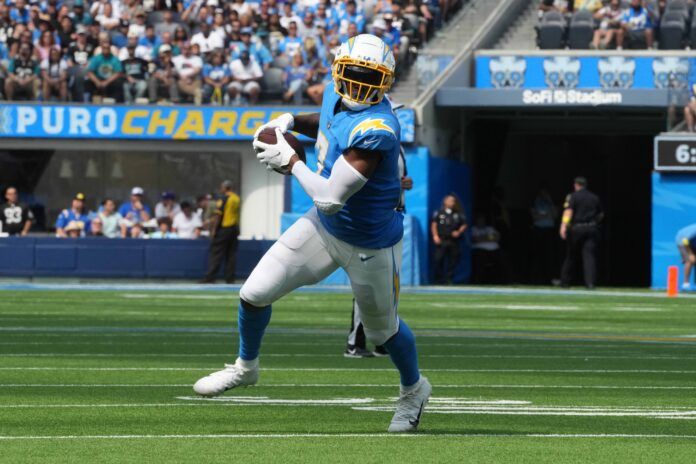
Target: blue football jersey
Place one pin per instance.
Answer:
(368, 219)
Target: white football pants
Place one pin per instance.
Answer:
(307, 253)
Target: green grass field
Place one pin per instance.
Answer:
(106, 376)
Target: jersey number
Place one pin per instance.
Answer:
(322, 148)
(13, 215)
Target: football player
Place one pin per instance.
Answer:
(353, 225)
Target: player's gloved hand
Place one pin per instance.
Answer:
(284, 122)
(275, 156)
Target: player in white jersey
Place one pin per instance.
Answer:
(354, 224)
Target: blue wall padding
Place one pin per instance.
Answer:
(130, 258)
(449, 176)
(673, 207)
(410, 261)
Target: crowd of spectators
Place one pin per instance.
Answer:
(135, 219)
(605, 24)
(199, 51)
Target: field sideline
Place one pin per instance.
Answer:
(519, 376)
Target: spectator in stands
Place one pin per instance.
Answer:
(246, 78)
(74, 229)
(320, 72)
(187, 224)
(79, 15)
(216, 78)
(350, 15)
(65, 33)
(292, 43)
(296, 78)
(75, 217)
(257, 50)
(637, 25)
(609, 18)
(188, 68)
(96, 227)
(135, 211)
(289, 16)
(163, 81)
(447, 227)
(167, 24)
(136, 231)
(54, 72)
(392, 36)
(180, 38)
(169, 5)
(225, 232)
(562, 6)
(167, 39)
(15, 217)
(20, 12)
(139, 27)
(23, 76)
(690, 108)
(393, 39)
(206, 40)
(405, 27)
(150, 41)
(136, 76)
(104, 74)
(167, 206)
(107, 19)
(111, 220)
(79, 53)
(45, 44)
(164, 229)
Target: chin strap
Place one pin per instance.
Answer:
(329, 195)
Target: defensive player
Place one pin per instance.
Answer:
(354, 224)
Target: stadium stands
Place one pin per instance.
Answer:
(153, 32)
(671, 23)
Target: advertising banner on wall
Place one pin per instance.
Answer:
(148, 122)
(585, 70)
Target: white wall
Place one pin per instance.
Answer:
(262, 199)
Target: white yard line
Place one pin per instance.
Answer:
(353, 385)
(339, 435)
(335, 355)
(340, 369)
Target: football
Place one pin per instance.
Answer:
(269, 136)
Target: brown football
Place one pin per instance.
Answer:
(268, 136)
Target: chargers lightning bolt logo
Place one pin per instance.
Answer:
(369, 125)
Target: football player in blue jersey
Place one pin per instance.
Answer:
(354, 224)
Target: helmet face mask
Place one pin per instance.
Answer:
(363, 71)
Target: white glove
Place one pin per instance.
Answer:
(284, 122)
(276, 156)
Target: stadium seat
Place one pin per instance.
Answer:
(272, 83)
(281, 62)
(551, 31)
(692, 42)
(672, 31)
(678, 6)
(581, 30)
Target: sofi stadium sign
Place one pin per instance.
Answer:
(146, 122)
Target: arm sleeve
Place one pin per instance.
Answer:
(329, 195)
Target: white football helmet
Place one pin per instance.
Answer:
(363, 71)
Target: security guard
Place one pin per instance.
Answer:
(582, 217)
(447, 226)
(224, 235)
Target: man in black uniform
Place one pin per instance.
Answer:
(582, 216)
(15, 217)
(447, 227)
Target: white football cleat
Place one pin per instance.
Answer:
(409, 407)
(233, 375)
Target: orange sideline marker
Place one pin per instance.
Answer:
(672, 281)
